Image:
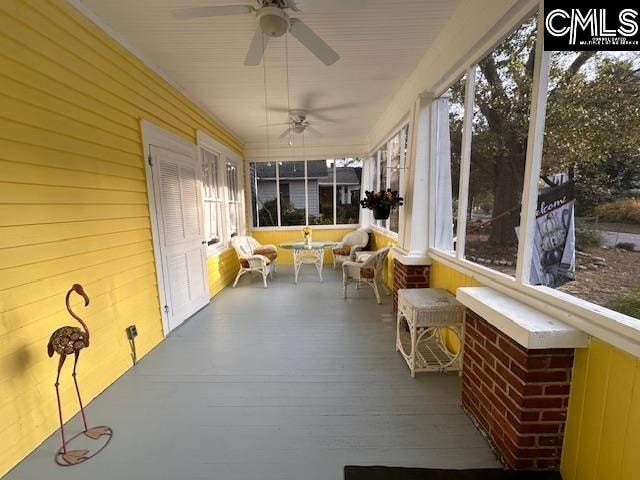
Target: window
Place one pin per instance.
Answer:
(312, 192)
(222, 195)
(321, 204)
(213, 199)
(348, 178)
(235, 199)
(292, 183)
(264, 194)
(388, 173)
(589, 187)
(499, 132)
(449, 142)
(571, 229)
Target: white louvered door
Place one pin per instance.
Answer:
(176, 181)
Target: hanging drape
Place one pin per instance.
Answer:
(443, 236)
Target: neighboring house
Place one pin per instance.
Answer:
(347, 184)
(320, 184)
(291, 183)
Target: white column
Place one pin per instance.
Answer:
(365, 184)
(415, 234)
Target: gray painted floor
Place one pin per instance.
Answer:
(289, 382)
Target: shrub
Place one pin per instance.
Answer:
(587, 237)
(623, 211)
(629, 304)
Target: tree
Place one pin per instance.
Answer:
(592, 124)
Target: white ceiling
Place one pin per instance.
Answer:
(379, 41)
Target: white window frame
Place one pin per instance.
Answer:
(218, 201)
(279, 226)
(238, 194)
(224, 156)
(374, 181)
(615, 328)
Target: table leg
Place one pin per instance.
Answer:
(297, 261)
(320, 262)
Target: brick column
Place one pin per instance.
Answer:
(408, 276)
(517, 397)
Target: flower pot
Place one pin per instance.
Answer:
(381, 212)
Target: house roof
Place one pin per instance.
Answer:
(344, 176)
(316, 170)
(292, 170)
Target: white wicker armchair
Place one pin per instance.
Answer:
(367, 272)
(351, 243)
(254, 257)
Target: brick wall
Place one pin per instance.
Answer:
(517, 397)
(408, 276)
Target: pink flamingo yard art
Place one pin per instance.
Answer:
(65, 341)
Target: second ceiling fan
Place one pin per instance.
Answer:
(273, 21)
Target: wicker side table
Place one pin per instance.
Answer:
(423, 313)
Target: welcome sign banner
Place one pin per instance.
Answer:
(554, 242)
(571, 26)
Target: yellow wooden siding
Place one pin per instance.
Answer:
(73, 207)
(450, 279)
(379, 240)
(603, 421)
(276, 237)
(222, 270)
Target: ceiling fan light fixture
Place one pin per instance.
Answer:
(298, 128)
(273, 21)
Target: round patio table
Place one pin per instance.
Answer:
(312, 255)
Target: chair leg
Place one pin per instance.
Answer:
(240, 272)
(264, 278)
(375, 290)
(344, 286)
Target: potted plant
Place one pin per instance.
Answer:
(381, 202)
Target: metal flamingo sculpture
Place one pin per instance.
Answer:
(66, 341)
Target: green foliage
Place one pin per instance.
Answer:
(592, 127)
(268, 214)
(620, 211)
(629, 304)
(587, 237)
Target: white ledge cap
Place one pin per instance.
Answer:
(529, 327)
(410, 259)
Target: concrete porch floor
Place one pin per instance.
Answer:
(286, 383)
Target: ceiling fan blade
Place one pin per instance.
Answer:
(313, 42)
(256, 48)
(212, 11)
(322, 118)
(285, 133)
(275, 124)
(312, 130)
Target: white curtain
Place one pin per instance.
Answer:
(443, 237)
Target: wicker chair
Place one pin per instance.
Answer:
(254, 257)
(367, 272)
(350, 244)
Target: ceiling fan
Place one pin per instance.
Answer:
(297, 123)
(273, 21)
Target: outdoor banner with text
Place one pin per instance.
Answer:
(554, 242)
